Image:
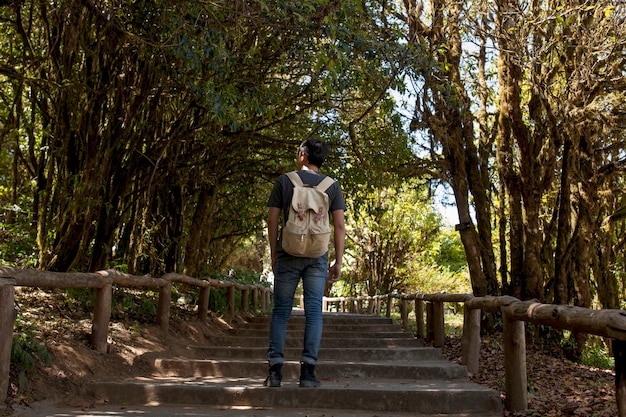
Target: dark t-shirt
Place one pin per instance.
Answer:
(283, 192)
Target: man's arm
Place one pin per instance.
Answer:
(334, 273)
(272, 231)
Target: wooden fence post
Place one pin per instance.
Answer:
(263, 299)
(389, 305)
(439, 330)
(515, 381)
(230, 295)
(7, 322)
(404, 314)
(163, 310)
(267, 301)
(619, 353)
(101, 317)
(244, 299)
(470, 340)
(419, 318)
(255, 299)
(430, 323)
(203, 303)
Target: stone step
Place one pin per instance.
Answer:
(208, 410)
(352, 323)
(294, 341)
(364, 354)
(327, 333)
(329, 319)
(374, 395)
(327, 370)
(328, 326)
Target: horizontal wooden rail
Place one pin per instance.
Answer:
(103, 281)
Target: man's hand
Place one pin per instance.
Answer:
(334, 273)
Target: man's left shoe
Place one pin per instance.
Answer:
(307, 376)
(274, 376)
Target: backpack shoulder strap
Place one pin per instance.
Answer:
(325, 184)
(322, 186)
(295, 179)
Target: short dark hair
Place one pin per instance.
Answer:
(315, 150)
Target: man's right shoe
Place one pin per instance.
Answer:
(307, 376)
(274, 376)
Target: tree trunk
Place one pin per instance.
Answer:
(564, 231)
(199, 238)
(510, 77)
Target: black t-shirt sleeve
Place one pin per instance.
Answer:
(335, 198)
(276, 199)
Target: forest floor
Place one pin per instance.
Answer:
(557, 387)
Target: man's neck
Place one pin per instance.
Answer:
(310, 167)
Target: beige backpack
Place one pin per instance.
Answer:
(307, 231)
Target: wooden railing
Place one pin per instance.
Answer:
(515, 313)
(103, 282)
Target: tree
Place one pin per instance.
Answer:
(390, 229)
(567, 129)
(443, 114)
(149, 125)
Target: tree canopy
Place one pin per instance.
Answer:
(147, 135)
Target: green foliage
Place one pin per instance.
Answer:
(139, 305)
(244, 276)
(429, 279)
(447, 252)
(139, 140)
(443, 267)
(134, 305)
(595, 354)
(26, 351)
(126, 304)
(18, 247)
(79, 300)
(218, 299)
(397, 242)
(453, 320)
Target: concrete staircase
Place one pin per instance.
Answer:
(366, 365)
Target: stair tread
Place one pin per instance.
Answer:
(346, 384)
(425, 362)
(205, 410)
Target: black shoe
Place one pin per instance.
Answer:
(274, 376)
(307, 376)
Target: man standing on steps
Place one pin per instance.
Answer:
(289, 269)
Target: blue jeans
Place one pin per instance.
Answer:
(288, 271)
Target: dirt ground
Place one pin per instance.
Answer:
(68, 362)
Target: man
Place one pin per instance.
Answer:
(288, 269)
